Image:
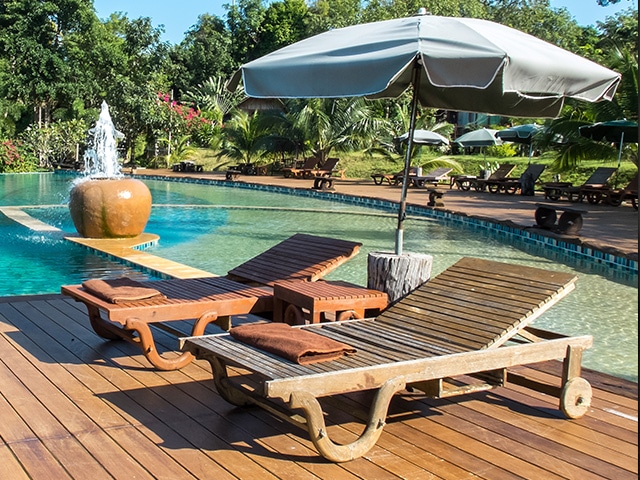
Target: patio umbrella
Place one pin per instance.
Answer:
(424, 137)
(614, 131)
(521, 134)
(483, 137)
(451, 63)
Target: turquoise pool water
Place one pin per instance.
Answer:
(215, 228)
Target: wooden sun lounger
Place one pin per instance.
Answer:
(575, 193)
(503, 171)
(432, 178)
(511, 185)
(205, 300)
(305, 171)
(456, 334)
(247, 289)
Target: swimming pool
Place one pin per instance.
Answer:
(214, 228)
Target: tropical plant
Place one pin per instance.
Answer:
(333, 124)
(15, 159)
(212, 97)
(563, 133)
(244, 137)
(181, 149)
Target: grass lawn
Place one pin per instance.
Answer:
(359, 165)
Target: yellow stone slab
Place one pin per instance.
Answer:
(127, 249)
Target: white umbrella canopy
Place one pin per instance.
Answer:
(462, 64)
(483, 137)
(425, 137)
(468, 64)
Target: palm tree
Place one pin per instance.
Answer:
(398, 124)
(212, 97)
(328, 124)
(563, 133)
(245, 136)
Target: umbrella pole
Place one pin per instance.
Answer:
(615, 182)
(407, 161)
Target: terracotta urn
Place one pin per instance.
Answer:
(110, 207)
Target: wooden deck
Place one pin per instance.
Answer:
(75, 406)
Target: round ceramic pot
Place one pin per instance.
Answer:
(110, 207)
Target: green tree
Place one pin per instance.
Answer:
(204, 53)
(37, 69)
(284, 23)
(131, 88)
(244, 19)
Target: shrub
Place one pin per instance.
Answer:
(14, 159)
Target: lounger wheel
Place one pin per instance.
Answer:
(594, 198)
(614, 199)
(553, 194)
(545, 217)
(493, 187)
(574, 197)
(634, 203)
(464, 185)
(570, 223)
(575, 398)
(511, 189)
(293, 315)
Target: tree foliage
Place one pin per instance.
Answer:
(58, 62)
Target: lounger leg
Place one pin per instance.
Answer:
(575, 398)
(227, 391)
(318, 430)
(102, 327)
(148, 345)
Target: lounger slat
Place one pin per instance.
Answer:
(300, 257)
(384, 344)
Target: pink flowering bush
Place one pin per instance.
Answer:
(183, 120)
(14, 159)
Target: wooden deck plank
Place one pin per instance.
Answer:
(204, 438)
(178, 418)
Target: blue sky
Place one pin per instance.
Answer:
(178, 16)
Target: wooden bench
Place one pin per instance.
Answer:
(298, 303)
(569, 223)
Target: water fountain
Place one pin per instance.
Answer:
(104, 203)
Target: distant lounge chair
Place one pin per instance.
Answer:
(305, 171)
(328, 168)
(434, 177)
(593, 188)
(392, 178)
(615, 197)
(208, 300)
(458, 333)
(502, 172)
(511, 185)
